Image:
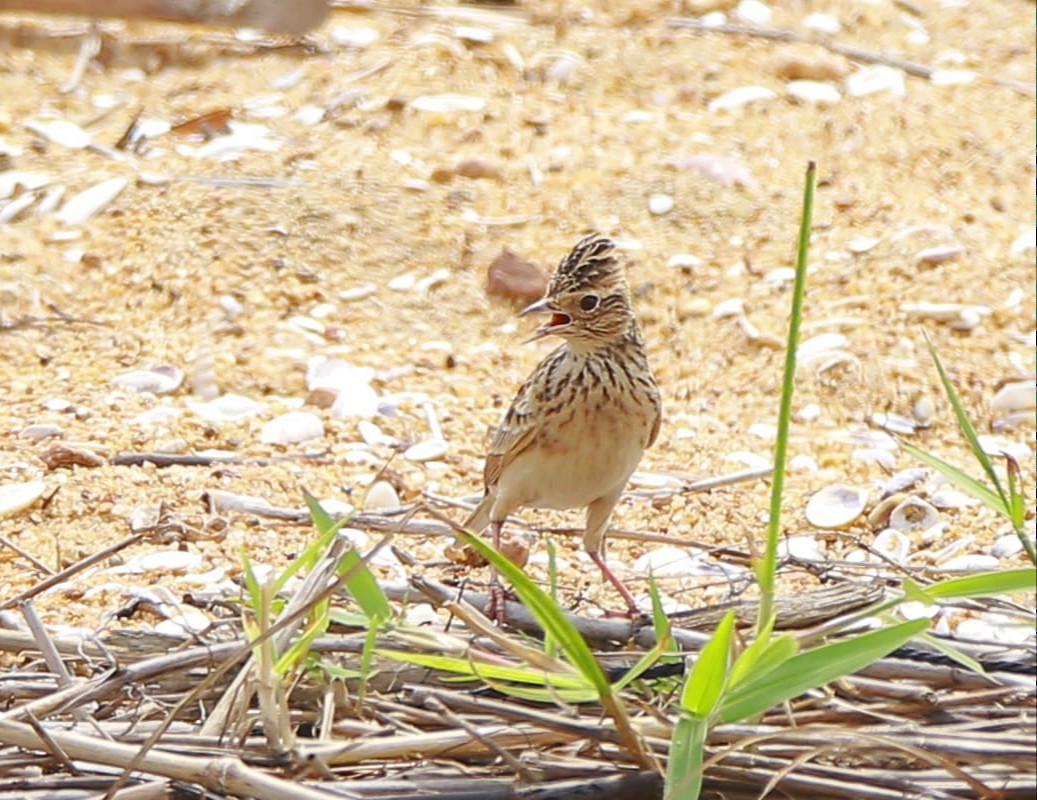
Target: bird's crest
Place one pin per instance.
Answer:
(591, 264)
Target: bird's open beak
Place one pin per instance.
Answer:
(556, 324)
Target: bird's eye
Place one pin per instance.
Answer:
(589, 302)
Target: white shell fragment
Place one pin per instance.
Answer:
(952, 77)
(16, 497)
(743, 96)
(892, 544)
(862, 244)
(356, 37)
(1006, 546)
(373, 435)
(1000, 445)
(354, 395)
(753, 12)
(291, 428)
(431, 450)
(876, 78)
(813, 91)
(1015, 396)
(956, 315)
(804, 547)
(20, 181)
(226, 408)
(914, 514)
(160, 380)
(11, 211)
(448, 103)
(61, 131)
(822, 23)
(81, 207)
(672, 562)
(159, 561)
(244, 137)
(931, 256)
(836, 506)
(381, 497)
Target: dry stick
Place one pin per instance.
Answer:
(53, 660)
(27, 556)
(284, 625)
(68, 572)
(455, 721)
(913, 68)
(222, 774)
(272, 15)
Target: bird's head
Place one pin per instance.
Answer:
(588, 298)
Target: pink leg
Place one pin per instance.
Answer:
(599, 559)
(495, 609)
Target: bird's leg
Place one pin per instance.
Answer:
(598, 513)
(495, 608)
(599, 559)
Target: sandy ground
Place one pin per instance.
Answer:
(579, 113)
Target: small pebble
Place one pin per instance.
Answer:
(41, 431)
(660, 204)
(514, 278)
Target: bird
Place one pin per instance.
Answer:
(581, 421)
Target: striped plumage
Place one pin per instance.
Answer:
(579, 424)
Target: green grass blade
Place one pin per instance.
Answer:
(500, 672)
(761, 657)
(364, 588)
(815, 668)
(547, 613)
(649, 659)
(952, 652)
(766, 568)
(361, 585)
(708, 676)
(685, 765)
(965, 423)
(961, 479)
(984, 584)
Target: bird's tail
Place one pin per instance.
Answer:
(480, 517)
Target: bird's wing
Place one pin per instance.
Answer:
(523, 421)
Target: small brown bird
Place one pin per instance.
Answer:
(579, 424)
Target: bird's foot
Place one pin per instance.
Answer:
(495, 608)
